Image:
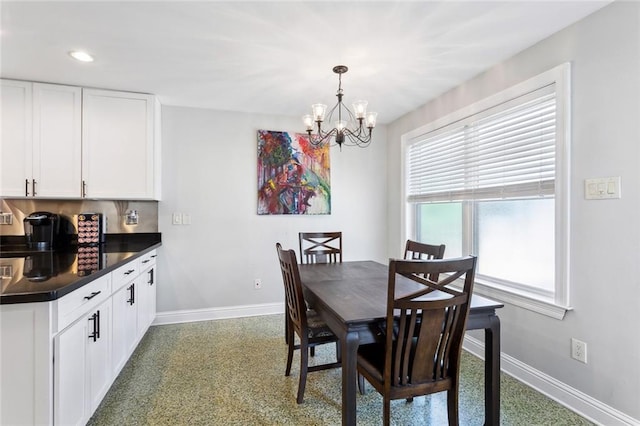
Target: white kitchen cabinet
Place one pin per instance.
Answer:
(41, 140)
(55, 369)
(119, 152)
(26, 352)
(16, 141)
(68, 142)
(57, 141)
(147, 292)
(134, 306)
(125, 330)
(82, 367)
(99, 372)
(71, 364)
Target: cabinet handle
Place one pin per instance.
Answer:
(132, 294)
(146, 261)
(84, 189)
(26, 187)
(150, 282)
(129, 271)
(154, 255)
(95, 335)
(92, 295)
(33, 186)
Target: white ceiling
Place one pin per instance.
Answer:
(274, 57)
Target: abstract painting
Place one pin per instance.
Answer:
(293, 175)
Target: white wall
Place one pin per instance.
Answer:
(209, 166)
(604, 50)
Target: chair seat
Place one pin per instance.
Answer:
(316, 326)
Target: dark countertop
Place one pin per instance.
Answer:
(41, 276)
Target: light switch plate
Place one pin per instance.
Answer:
(177, 219)
(602, 188)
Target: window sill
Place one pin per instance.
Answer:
(544, 307)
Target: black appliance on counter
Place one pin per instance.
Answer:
(47, 231)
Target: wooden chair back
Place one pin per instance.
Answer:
(295, 304)
(425, 350)
(422, 353)
(421, 251)
(320, 247)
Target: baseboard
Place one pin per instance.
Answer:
(581, 403)
(174, 317)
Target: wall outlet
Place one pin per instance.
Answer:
(177, 219)
(257, 284)
(578, 350)
(6, 218)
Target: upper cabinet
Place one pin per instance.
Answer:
(57, 143)
(68, 142)
(118, 145)
(41, 140)
(17, 141)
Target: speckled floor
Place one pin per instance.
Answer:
(231, 372)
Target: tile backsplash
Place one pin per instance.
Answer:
(118, 213)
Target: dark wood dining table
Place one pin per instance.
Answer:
(351, 297)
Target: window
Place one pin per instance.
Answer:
(490, 180)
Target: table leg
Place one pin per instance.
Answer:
(350, 344)
(492, 372)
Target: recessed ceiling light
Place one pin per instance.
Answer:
(81, 56)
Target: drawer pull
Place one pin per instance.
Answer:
(146, 261)
(129, 271)
(92, 295)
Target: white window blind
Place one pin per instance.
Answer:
(503, 152)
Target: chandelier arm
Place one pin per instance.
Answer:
(358, 138)
(320, 138)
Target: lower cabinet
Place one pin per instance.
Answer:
(82, 370)
(125, 314)
(58, 359)
(146, 285)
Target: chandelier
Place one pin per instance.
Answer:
(351, 128)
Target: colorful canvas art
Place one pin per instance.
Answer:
(293, 175)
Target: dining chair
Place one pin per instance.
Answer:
(416, 250)
(422, 355)
(305, 323)
(421, 251)
(320, 247)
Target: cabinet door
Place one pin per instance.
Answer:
(70, 366)
(82, 366)
(118, 145)
(124, 325)
(57, 143)
(99, 356)
(15, 138)
(147, 304)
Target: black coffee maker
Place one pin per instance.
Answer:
(46, 231)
